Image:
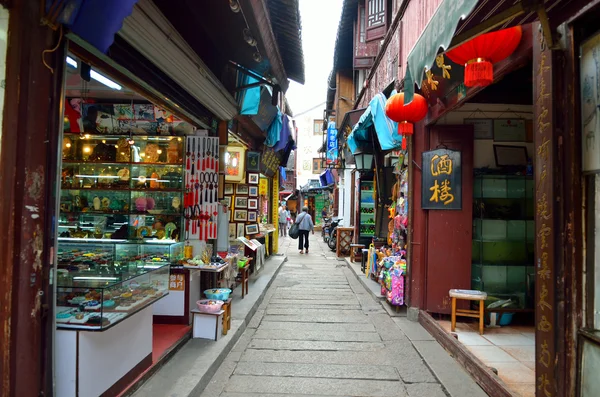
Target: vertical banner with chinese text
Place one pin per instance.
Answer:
(545, 198)
(441, 180)
(332, 143)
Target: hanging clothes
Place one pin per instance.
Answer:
(285, 134)
(274, 131)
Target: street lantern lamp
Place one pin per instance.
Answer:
(364, 161)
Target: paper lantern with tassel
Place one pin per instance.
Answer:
(479, 54)
(406, 115)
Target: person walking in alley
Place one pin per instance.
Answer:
(282, 221)
(305, 224)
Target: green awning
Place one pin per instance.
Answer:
(438, 33)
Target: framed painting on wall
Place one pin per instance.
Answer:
(240, 230)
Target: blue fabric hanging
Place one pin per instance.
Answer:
(251, 100)
(274, 131)
(282, 172)
(95, 21)
(285, 134)
(387, 129)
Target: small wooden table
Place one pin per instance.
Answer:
(245, 273)
(354, 255)
(226, 316)
(470, 295)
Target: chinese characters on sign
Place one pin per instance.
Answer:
(332, 143)
(176, 282)
(269, 162)
(544, 223)
(441, 180)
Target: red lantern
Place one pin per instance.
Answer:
(479, 54)
(406, 115)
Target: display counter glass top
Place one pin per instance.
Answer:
(97, 299)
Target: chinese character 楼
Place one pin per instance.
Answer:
(441, 193)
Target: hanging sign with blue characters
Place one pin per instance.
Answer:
(332, 143)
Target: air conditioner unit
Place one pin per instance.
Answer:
(150, 33)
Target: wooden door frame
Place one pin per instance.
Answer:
(28, 158)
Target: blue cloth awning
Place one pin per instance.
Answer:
(386, 129)
(95, 21)
(326, 178)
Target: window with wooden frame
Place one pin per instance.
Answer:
(362, 27)
(318, 165)
(318, 127)
(376, 19)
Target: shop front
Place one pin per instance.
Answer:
(517, 145)
(137, 189)
(380, 207)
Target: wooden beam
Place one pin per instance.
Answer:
(28, 153)
(489, 382)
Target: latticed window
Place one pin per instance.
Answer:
(376, 19)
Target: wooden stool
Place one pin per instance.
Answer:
(352, 252)
(245, 271)
(471, 295)
(226, 316)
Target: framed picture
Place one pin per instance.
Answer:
(507, 155)
(235, 164)
(241, 189)
(228, 188)
(252, 229)
(240, 215)
(232, 231)
(253, 178)
(252, 215)
(253, 161)
(252, 204)
(221, 187)
(240, 229)
(241, 202)
(226, 201)
(253, 191)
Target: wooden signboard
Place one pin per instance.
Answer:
(441, 181)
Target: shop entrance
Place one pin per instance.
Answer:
(449, 232)
(488, 245)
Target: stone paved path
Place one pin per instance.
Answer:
(318, 332)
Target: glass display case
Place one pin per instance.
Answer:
(503, 239)
(94, 299)
(367, 212)
(120, 187)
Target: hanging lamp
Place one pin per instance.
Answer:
(406, 115)
(479, 54)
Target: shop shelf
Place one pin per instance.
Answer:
(503, 235)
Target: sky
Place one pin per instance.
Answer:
(320, 20)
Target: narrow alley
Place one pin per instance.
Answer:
(319, 332)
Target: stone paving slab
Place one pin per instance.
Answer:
(286, 344)
(325, 327)
(425, 390)
(314, 303)
(315, 386)
(317, 371)
(317, 318)
(244, 394)
(302, 295)
(320, 310)
(337, 336)
(319, 357)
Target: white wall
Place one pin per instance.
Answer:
(345, 207)
(484, 148)
(308, 145)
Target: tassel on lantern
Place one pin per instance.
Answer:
(405, 128)
(403, 142)
(479, 72)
